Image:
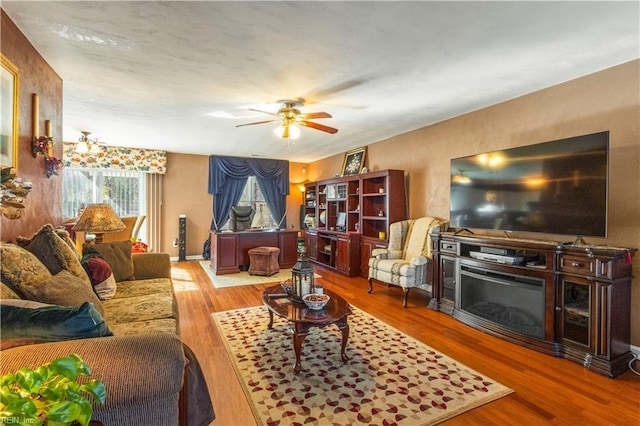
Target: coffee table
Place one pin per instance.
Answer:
(302, 318)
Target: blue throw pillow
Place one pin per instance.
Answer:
(52, 322)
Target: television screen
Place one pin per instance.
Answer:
(557, 187)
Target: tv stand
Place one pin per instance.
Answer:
(561, 299)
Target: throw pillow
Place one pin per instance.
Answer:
(7, 293)
(54, 252)
(61, 289)
(52, 323)
(19, 266)
(118, 256)
(64, 234)
(99, 271)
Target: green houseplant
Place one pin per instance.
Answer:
(50, 394)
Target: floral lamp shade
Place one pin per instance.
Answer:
(99, 219)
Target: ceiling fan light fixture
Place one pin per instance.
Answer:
(294, 132)
(287, 131)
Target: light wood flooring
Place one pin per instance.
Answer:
(548, 390)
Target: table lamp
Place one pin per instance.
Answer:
(99, 219)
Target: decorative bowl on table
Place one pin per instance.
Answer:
(315, 301)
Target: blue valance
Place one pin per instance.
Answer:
(228, 175)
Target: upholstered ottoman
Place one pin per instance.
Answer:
(264, 261)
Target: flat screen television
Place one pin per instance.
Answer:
(557, 187)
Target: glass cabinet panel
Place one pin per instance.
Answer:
(448, 270)
(576, 317)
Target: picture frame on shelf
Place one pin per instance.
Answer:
(354, 161)
(9, 109)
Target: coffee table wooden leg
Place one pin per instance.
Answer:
(344, 327)
(270, 325)
(298, 338)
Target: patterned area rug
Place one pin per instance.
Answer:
(243, 278)
(390, 378)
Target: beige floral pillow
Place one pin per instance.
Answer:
(19, 266)
(7, 293)
(61, 289)
(62, 233)
(54, 252)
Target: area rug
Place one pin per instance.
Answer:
(243, 278)
(390, 378)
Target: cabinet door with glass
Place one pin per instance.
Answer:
(448, 280)
(576, 310)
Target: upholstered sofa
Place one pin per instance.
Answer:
(51, 307)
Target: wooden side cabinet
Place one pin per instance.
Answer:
(348, 254)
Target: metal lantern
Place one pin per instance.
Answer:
(302, 276)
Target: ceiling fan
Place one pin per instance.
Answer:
(291, 117)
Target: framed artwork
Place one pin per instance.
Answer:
(354, 161)
(8, 113)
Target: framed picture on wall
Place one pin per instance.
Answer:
(8, 113)
(354, 161)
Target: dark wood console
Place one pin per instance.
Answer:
(230, 250)
(565, 300)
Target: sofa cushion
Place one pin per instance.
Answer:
(148, 287)
(20, 266)
(118, 255)
(63, 289)
(54, 252)
(51, 322)
(139, 308)
(101, 276)
(164, 325)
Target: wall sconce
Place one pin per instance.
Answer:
(86, 144)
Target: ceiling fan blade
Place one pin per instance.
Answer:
(318, 126)
(264, 112)
(313, 115)
(257, 122)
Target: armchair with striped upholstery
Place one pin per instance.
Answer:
(406, 262)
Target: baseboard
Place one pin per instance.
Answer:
(192, 257)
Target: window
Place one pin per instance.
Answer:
(125, 191)
(252, 196)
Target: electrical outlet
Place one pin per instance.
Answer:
(175, 242)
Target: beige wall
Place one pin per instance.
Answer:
(607, 100)
(185, 192)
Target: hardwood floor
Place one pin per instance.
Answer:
(548, 390)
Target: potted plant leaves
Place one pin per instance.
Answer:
(50, 394)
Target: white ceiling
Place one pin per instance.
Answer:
(149, 74)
